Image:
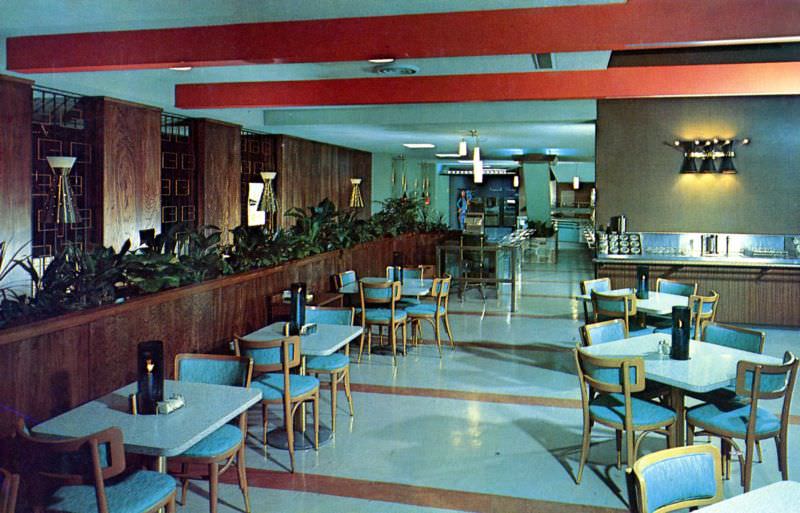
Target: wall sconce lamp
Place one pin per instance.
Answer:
(268, 203)
(708, 151)
(65, 206)
(356, 201)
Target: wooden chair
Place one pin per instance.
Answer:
(607, 388)
(9, 486)
(617, 306)
(90, 469)
(434, 313)
(587, 286)
(273, 361)
(385, 295)
(604, 331)
(344, 278)
(703, 310)
(336, 365)
(675, 287)
(409, 273)
(226, 445)
(676, 478)
(744, 420)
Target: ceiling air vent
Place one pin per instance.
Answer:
(394, 70)
(542, 60)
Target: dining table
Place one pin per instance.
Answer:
(207, 408)
(709, 367)
(657, 303)
(410, 287)
(777, 497)
(324, 341)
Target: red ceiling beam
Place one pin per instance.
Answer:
(633, 82)
(635, 24)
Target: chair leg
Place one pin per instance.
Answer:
(393, 336)
(241, 468)
(334, 379)
(171, 505)
(618, 440)
(265, 418)
(449, 333)
(587, 431)
(347, 389)
(782, 462)
(748, 464)
(288, 424)
(213, 484)
(316, 421)
(437, 333)
(361, 344)
(184, 486)
(630, 437)
(758, 450)
(405, 336)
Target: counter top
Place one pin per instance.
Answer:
(719, 261)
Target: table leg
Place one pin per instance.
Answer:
(676, 399)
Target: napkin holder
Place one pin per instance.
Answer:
(681, 327)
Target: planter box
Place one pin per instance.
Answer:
(52, 365)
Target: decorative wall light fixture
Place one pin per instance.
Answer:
(708, 151)
(356, 201)
(65, 206)
(268, 203)
(576, 182)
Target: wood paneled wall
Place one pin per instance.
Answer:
(747, 295)
(53, 365)
(219, 168)
(309, 172)
(129, 142)
(15, 162)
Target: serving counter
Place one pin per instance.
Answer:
(757, 276)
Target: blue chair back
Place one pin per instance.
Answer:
(610, 375)
(409, 273)
(675, 287)
(759, 381)
(347, 277)
(600, 285)
(735, 337)
(602, 332)
(377, 291)
(214, 369)
(270, 355)
(321, 315)
(678, 478)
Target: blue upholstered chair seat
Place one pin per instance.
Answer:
(135, 493)
(385, 315)
(407, 302)
(219, 442)
(328, 363)
(732, 417)
(271, 385)
(424, 309)
(611, 408)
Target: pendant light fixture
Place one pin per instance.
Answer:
(477, 164)
(356, 201)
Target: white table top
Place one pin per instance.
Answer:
(657, 303)
(328, 338)
(777, 497)
(208, 407)
(710, 366)
(411, 287)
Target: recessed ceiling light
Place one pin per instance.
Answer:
(416, 146)
(181, 68)
(382, 60)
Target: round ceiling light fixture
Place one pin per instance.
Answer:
(395, 70)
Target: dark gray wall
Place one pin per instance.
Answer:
(637, 174)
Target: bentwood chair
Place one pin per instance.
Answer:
(384, 295)
(618, 306)
(226, 445)
(673, 287)
(608, 386)
(744, 419)
(435, 313)
(587, 286)
(702, 309)
(273, 361)
(90, 469)
(9, 486)
(337, 365)
(604, 331)
(677, 478)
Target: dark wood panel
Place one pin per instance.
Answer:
(130, 141)
(44, 376)
(747, 295)
(309, 172)
(15, 162)
(219, 168)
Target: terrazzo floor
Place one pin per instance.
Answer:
(492, 426)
